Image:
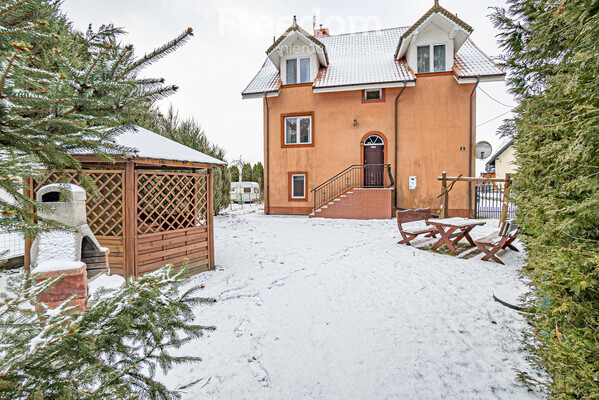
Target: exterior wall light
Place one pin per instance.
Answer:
(355, 122)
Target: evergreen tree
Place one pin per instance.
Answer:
(81, 104)
(246, 172)
(234, 173)
(110, 351)
(190, 133)
(258, 175)
(551, 50)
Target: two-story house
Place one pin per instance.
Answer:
(357, 124)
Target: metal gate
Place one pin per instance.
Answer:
(489, 201)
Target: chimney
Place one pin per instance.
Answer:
(320, 32)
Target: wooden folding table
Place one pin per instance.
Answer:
(457, 228)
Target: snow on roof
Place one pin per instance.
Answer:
(363, 58)
(268, 79)
(152, 145)
(470, 61)
(148, 144)
(369, 58)
(244, 184)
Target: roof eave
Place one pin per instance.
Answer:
(363, 86)
(480, 78)
(259, 95)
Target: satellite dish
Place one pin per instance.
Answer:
(483, 150)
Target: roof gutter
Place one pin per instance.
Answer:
(405, 84)
(470, 173)
(267, 159)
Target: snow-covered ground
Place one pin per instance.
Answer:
(336, 309)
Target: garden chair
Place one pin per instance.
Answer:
(410, 233)
(500, 240)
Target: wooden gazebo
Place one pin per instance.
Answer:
(152, 209)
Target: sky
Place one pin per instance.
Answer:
(229, 44)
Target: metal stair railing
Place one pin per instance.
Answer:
(354, 177)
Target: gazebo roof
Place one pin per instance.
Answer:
(152, 145)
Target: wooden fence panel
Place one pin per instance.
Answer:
(172, 220)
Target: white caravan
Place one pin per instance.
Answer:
(245, 192)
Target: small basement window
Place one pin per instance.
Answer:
(373, 94)
(298, 186)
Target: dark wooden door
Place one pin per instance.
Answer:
(374, 157)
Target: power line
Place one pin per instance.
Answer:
(493, 119)
(494, 99)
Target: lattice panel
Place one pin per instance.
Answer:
(104, 212)
(168, 201)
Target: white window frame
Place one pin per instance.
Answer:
(297, 124)
(431, 57)
(298, 77)
(380, 92)
(293, 196)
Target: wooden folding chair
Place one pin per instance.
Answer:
(501, 240)
(405, 216)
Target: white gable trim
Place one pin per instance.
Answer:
(276, 54)
(458, 34)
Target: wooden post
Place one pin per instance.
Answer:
(507, 188)
(210, 216)
(443, 212)
(28, 192)
(130, 219)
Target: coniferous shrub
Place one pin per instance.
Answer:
(552, 56)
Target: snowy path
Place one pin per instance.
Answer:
(335, 309)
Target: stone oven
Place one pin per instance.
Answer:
(65, 249)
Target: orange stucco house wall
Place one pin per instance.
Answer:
(433, 125)
(432, 66)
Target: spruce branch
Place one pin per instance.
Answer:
(13, 5)
(28, 27)
(159, 52)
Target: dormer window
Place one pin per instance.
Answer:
(436, 63)
(298, 64)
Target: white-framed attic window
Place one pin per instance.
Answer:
(431, 58)
(298, 70)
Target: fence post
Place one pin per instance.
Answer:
(443, 212)
(507, 187)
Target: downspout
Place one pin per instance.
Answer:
(470, 173)
(266, 160)
(396, 141)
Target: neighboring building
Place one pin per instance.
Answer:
(245, 192)
(504, 160)
(402, 97)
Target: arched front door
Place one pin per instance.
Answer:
(374, 158)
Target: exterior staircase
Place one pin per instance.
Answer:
(358, 192)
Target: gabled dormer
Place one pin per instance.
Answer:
(297, 55)
(430, 45)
